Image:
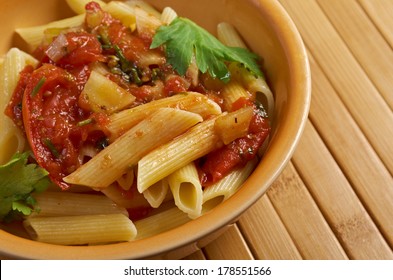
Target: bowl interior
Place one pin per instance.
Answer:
(269, 32)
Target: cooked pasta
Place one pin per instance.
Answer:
(81, 230)
(52, 204)
(111, 163)
(133, 142)
(161, 162)
(187, 190)
(12, 139)
(226, 187)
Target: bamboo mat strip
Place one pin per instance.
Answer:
(370, 179)
(380, 11)
(338, 202)
(359, 95)
(198, 255)
(365, 42)
(302, 218)
(229, 246)
(265, 233)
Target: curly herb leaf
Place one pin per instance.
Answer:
(183, 39)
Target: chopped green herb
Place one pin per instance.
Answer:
(38, 86)
(84, 122)
(18, 180)
(48, 143)
(183, 39)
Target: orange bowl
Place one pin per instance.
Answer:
(268, 31)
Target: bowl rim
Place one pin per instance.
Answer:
(300, 83)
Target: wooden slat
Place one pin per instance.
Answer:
(380, 11)
(369, 177)
(346, 215)
(359, 95)
(302, 218)
(266, 234)
(365, 42)
(229, 246)
(198, 255)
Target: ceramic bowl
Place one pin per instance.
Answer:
(268, 31)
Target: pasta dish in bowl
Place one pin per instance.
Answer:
(141, 129)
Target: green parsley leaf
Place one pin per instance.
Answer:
(184, 38)
(18, 180)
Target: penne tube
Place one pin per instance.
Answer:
(232, 92)
(228, 35)
(78, 6)
(126, 198)
(121, 155)
(166, 159)
(191, 101)
(12, 139)
(157, 193)
(80, 230)
(121, 11)
(53, 204)
(187, 190)
(34, 35)
(160, 222)
(126, 180)
(226, 187)
(145, 6)
(168, 15)
(146, 22)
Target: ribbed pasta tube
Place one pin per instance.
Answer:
(187, 190)
(121, 155)
(80, 230)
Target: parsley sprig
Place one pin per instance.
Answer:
(183, 38)
(18, 180)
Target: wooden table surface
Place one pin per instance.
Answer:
(335, 198)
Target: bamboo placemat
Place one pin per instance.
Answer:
(335, 198)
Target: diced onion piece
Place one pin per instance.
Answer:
(234, 125)
(104, 95)
(58, 48)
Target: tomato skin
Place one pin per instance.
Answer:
(83, 48)
(51, 116)
(220, 162)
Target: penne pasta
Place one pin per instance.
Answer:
(125, 152)
(157, 193)
(78, 6)
(226, 187)
(34, 35)
(168, 15)
(232, 92)
(190, 101)
(53, 204)
(164, 160)
(129, 199)
(121, 11)
(12, 139)
(187, 190)
(229, 36)
(160, 222)
(141, 4)
(80, 230)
